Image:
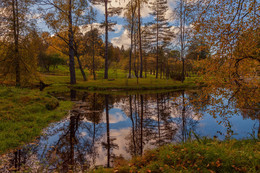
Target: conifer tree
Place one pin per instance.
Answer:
(108, 26)
(161, 28)
(131, 19)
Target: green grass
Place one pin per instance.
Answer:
(119, 81)
(197, 156)
(24, 113)
(131, 84)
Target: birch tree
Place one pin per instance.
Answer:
(61, 17)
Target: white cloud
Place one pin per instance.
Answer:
(117, 3)
(85, 28)
(115, 118)
(122, 40)
(118, 28)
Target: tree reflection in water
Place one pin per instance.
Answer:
(101, 128)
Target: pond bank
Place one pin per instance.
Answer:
(203, 155)
(128, 85)
(24, 113)
(132, 84)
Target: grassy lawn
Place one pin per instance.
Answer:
(117, 80)
(132, 84)
(197, 156)
(24, 113)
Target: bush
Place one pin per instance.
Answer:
(47, 61)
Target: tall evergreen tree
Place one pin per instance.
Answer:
(108, 26)
(131, 19)
(160, 27)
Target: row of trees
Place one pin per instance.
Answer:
(200, 29)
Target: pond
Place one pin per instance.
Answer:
(103, 127)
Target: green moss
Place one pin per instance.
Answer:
(209, 156)
(24, 113)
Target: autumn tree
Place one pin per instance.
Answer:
(231, 29)
(65, 17)
(197, 50)
(233, 36)
(15, 35)
(93, 42)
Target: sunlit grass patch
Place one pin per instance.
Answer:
(141, 84)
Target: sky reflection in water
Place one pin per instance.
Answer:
(136, 122)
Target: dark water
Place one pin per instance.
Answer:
(102, 128)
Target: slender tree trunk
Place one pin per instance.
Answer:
(131, 46)
(157, 46)
(93, 54)
(16, 42)
(140, 39)
(182, 26)
(71, 49)
(161, 67)
(135, 64)
(145, 67)
(93, 59)
(106, 41)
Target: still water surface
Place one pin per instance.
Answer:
(103, 127)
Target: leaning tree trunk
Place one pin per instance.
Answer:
(81, 68)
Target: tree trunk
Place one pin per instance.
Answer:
(71, 48)
(16, 42)
(182, 23)
(106, 42)
(93, 59)
(140, 39)
(131, 46)
(80, 67)
(157, 48)
(93, 54)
